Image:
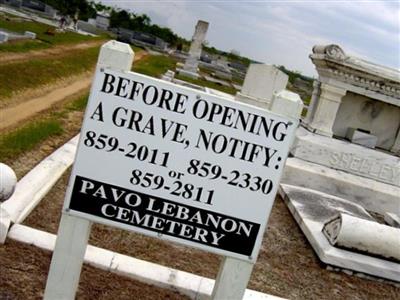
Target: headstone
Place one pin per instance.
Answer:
(168, 76)
(3, 37)
(30, 35)
(192, 62)
(260, 83)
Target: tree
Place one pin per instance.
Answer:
(120, 18)
(70, 7)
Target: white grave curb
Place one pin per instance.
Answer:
(193, 286)
(36, 184)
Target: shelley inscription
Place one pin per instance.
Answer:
(364, 166)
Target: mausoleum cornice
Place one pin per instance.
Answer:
(332, 63)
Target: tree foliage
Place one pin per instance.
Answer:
(71, 7)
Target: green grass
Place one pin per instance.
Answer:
(43, 40)
(154, 65)
(136, 48)
(23, 46)
(27, 137)
(36, 72)
(211, 85)
(78, 104)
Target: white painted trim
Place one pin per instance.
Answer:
(31, 189)
(191, 285)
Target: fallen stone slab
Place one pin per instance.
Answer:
(364, 236)
(312, 209)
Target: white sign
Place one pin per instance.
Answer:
(178, 164)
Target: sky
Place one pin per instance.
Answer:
(284, 32)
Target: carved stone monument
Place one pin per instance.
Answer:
(191, 63)
(347, 155)
(354, 93)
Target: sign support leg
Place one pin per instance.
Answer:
(69, 252)
(232, 279)
(234, 274)
(73, 232)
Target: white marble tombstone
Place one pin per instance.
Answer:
(260, 83)
(191, 63)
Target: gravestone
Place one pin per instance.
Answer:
(30, 34)
(3, 37)
(260, 83)
(192, 61)
(360, 101)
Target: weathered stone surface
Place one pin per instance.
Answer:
(363, 236)
(361, 138)
(3, 37)
(354, 74)
(30, 35)
(354, 93)
(262, 81)
(188, 73)
(392, 219)
(287, 104)
(380, 119)
(372, 195)
(345, 156)
(199, 36)
(311, 209)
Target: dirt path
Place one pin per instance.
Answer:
(13, 115)
(10, 57)
(16, 114)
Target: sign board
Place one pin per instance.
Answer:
(178, 164)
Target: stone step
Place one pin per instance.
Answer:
(345, 156)
(372, 195)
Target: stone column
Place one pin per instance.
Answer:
(313, 103)
(326, 110)
(396, 147)
(192, 62)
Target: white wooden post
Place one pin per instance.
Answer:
(233, 277)
(73, 232)
(234, 274)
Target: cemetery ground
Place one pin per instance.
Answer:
(286, 266)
